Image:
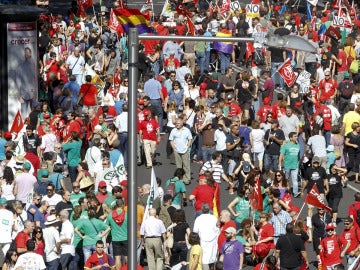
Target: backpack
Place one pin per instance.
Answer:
(41, 189)
(171, 188)
(347, 89)
(246, 167)
(357, 214)
(259, 58)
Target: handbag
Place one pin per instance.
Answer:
(337, 153)
(169, 242)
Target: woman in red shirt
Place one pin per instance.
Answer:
(265, 240)
(39, 240)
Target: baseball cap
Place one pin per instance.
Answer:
(316, 159)
(7, 135)
(347, 75)
(27, 165)
(102, 183)
(147, 112)
(141, 102)
(330, 226)
(231, 230)
(3, 201)
(330, 148)
(348, 219)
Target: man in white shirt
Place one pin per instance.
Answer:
(6, 226)
(51, 197)
(30, 259)
(52, 242)
(67, 241)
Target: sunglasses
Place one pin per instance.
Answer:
(49, 190)
(76, 186)
(330, 230)
(38, 232)
(278, 175)
(346, 224)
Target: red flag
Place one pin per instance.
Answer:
(114, 23)
(225, 6)
(190, 26)
(287, 73)
(17, 125)
(256, 199)
(333, 33)
(249, 50)
(182, 10)
(313, 197)
(85, 3)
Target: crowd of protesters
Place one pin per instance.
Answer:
(64, 202)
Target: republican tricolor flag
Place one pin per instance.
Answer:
(17, 125)
(131, 17)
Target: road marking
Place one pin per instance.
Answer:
(353, 188)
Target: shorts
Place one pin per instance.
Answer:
(245, 105)
(258, 155)
(120, 248)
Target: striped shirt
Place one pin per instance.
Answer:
(216, 168)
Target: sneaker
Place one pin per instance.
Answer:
(297, 194)
(167, 266)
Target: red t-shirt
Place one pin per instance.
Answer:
(266, 231)
(21, 239)
(277, 111)
(328, 87)
(89, 91)
(331, 249)
(352, 235)
(111, 111)
(203, 194)
(72, 126)
(96, 260)
(343, 66)
(102, 197)
(148, 128)
(263, 112)
(234, 109)
(352, 212)
(326, 115)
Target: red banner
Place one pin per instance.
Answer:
(17, 125)
(287, 73)
(314, 198)
(256, 199)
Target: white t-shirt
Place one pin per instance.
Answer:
(51, 237)
(93, 157)
(170, 120)
(67, 232)
(30, 261)
(258, 139)
(220, 139)
(53, 201)
(6, 223)
(318, 145)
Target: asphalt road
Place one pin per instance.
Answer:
(166, 168)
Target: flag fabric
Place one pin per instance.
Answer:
(191, 27)
(225, 7)
(308, 11)
(312, 2)
(225, 47)
(282, 9)
(287, 73)
(322, 31)
(166, 11)
(114, 23)
(147, 6)
(154, 193)
(83, 5)
(313, 197)
(131, 17)
(256, 199)
(333, 33)
(183, 10)
(216, 201)
(17, 124)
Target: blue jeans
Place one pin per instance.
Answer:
(207, 60)
(66, 261)
(78, 261)
(72, 173)
(123, 147)
(327, 135)
(275, 75)
(224, 61)
(207, 152)
(350, 259)
(301, 144)
(200, 59)
(271, 162)
(159, 109)
(53, 265)
(88, 250)
(292, 175)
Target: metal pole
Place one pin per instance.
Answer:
(132, 143)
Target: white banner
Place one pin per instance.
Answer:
(22, 68)
(235, 6)
(252, 11)
(304, 82)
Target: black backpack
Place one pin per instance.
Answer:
(347, 89)
(259, 58)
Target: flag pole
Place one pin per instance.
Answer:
(302, 207)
